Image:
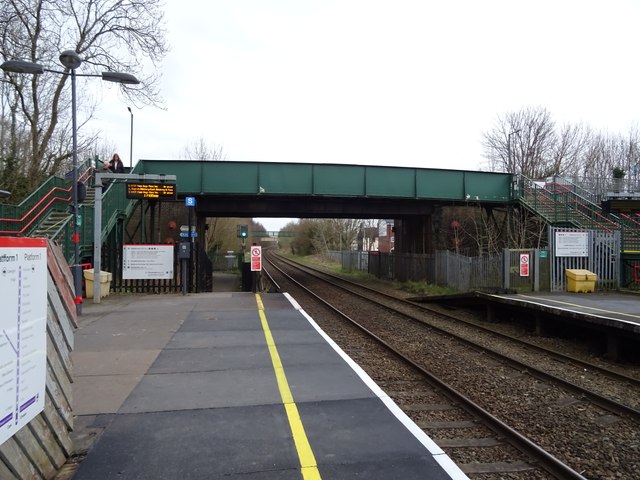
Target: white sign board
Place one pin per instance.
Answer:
(572, 244)
(147, 262)
(23, 332)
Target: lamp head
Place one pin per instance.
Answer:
(70, 59)
(20, 66)
(119, 77)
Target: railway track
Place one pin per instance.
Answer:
(613, 390)
(532, 404)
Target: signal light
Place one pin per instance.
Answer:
(244, 231)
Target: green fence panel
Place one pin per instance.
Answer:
(339, 180)
(391, 182)
(441, 184)
(285, 178)
(487, 186)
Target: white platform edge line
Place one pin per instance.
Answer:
(603, 317)
(438, 454)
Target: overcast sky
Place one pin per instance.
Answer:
(402, 83)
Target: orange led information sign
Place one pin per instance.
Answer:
(153, 191)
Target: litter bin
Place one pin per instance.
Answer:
(579, 280)
(105, 282)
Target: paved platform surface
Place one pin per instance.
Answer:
(236, 386)
(611, 309)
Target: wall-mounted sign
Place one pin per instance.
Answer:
(256, 258)
(147, 262)
(23, 332)
(152, 191)
(572, 244)
(524, 264)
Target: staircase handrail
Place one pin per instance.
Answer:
(577, 206)
(534, 195)
(569, 186)
(38, 204)
(115, 204)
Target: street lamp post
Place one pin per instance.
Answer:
(509, 146)
(131, 141)
(71, 61)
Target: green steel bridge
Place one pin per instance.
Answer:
(257, 189)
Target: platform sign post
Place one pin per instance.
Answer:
(190, 203)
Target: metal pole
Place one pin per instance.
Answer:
(97, 239)
(76, 268)
(190, 249)
(131, 141)
(97, 221)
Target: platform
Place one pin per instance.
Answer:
(232, 385)
(613, 310)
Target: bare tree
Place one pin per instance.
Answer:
(111, 35)
(605, 152)
(569, 150)
(523, 142)
(201, 150)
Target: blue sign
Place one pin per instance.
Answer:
(186, 234)
(190, 201)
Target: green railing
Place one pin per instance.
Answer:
(560, 202)
(55, 195)
(19, 220)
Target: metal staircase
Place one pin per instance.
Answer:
(46, 213)
(563, 203)
(52, 224)
(54, 221)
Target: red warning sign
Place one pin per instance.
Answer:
(524, 264)
(256, 258)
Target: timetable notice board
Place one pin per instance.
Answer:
(23, 332)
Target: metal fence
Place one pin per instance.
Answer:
(600, 254)
(442, 268)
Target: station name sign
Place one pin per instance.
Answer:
(151, 191)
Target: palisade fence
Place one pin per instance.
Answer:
(442, 268)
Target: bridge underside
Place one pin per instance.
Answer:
(412, 217)
(311, 207)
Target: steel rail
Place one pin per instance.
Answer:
(600, 400)
(550, 463)
(558, 355)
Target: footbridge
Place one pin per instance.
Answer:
(261, 189)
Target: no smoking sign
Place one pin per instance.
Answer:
(256, 258)
(524, 264)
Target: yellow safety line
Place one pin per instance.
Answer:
(539, 299)
(309, 467)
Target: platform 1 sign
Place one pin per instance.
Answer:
(23, 332)
(256, 258)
